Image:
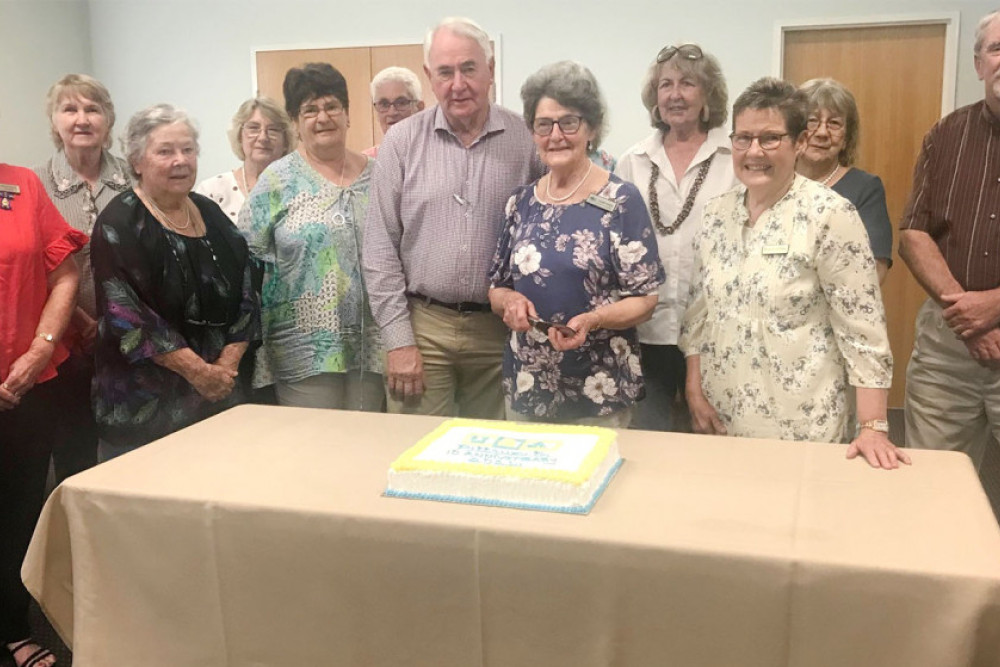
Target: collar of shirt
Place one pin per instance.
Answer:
(68, 182)
(494, 124)
(989, 117)
(715, 142)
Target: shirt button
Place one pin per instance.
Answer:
(986, 253)
(464, 248)
(993, 216)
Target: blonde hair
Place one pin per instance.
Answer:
(274, 113)
(707, 72)
(84, 86)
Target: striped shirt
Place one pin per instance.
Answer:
(79, 205)
(956, 194)
(436, 211)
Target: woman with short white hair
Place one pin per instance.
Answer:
(396, 94)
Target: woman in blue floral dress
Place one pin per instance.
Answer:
(578, 251)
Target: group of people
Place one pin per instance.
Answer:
(488, 264)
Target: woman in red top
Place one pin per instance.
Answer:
(38, 285)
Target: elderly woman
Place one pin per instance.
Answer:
(576, 267)
(303, 223)
(38, 286)
(396, 95)
(174, 293)
(785, 309)
(834, 127)
(685, 162)
(259, 134)
(81, 178)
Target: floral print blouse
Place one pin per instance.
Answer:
(785, 314)
(306, 233)
(570, 259)
(158, 292)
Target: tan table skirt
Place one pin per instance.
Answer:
(260, 537)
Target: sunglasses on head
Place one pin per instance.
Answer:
(686, 51)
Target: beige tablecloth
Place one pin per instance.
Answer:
(261, 537)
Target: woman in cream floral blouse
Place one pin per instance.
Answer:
(786, 309)
(577, 250)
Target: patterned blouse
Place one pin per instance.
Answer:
(158, 292)
(570, 259)
(785, 314)
(306, 232)
(81, 205)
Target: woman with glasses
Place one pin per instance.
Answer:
(576, 268)
(833, 125)
(259, 134)
(174, 295)
(396, 95)
(786, 310)
(303, 224)
(680, 166)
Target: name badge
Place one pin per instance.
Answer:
(601, 202)
(775, 250)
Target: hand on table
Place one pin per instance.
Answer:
(405, 372)
(876, 448)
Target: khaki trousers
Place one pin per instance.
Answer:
(462, 355)
(952, 402)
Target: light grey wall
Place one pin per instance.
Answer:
(197, 53)
(41, 41)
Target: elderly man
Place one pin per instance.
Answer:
(440, 185)
(950, 239)
(396, 95)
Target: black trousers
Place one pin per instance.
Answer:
(26, 436)
(74, 448)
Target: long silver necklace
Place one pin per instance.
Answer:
(579, 185)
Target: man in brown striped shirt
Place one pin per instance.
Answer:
(950, 239)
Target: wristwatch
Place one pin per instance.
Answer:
(47, 337)
(880, 425)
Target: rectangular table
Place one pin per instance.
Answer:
(260, 537)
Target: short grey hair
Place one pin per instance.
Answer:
(274, 113)
(573, 86)
(464, 27)
(707, 71)
(984, 23)
(398, 75)
(144, 122)
(84, 86)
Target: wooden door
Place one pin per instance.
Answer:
(896, 73)
(358, 65)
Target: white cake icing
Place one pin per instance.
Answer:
(561, 468)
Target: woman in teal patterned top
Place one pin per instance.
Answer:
(302, 222)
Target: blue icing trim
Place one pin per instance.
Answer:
(473, 500)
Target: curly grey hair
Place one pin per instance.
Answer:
(573, 86)
(142, 124)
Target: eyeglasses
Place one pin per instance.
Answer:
(767, 142)
(331, 108)
(273, 132)
(686, 51)
(833, 125)
(568, 124)
(399, 104)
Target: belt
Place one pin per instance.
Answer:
(461, 306)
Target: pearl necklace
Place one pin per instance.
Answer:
(165, 218)
(831, 175)
(583, 180)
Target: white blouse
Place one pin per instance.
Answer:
(224, 191)
(677, 249)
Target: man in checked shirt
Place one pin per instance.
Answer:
(950, 239)
(441, 181)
